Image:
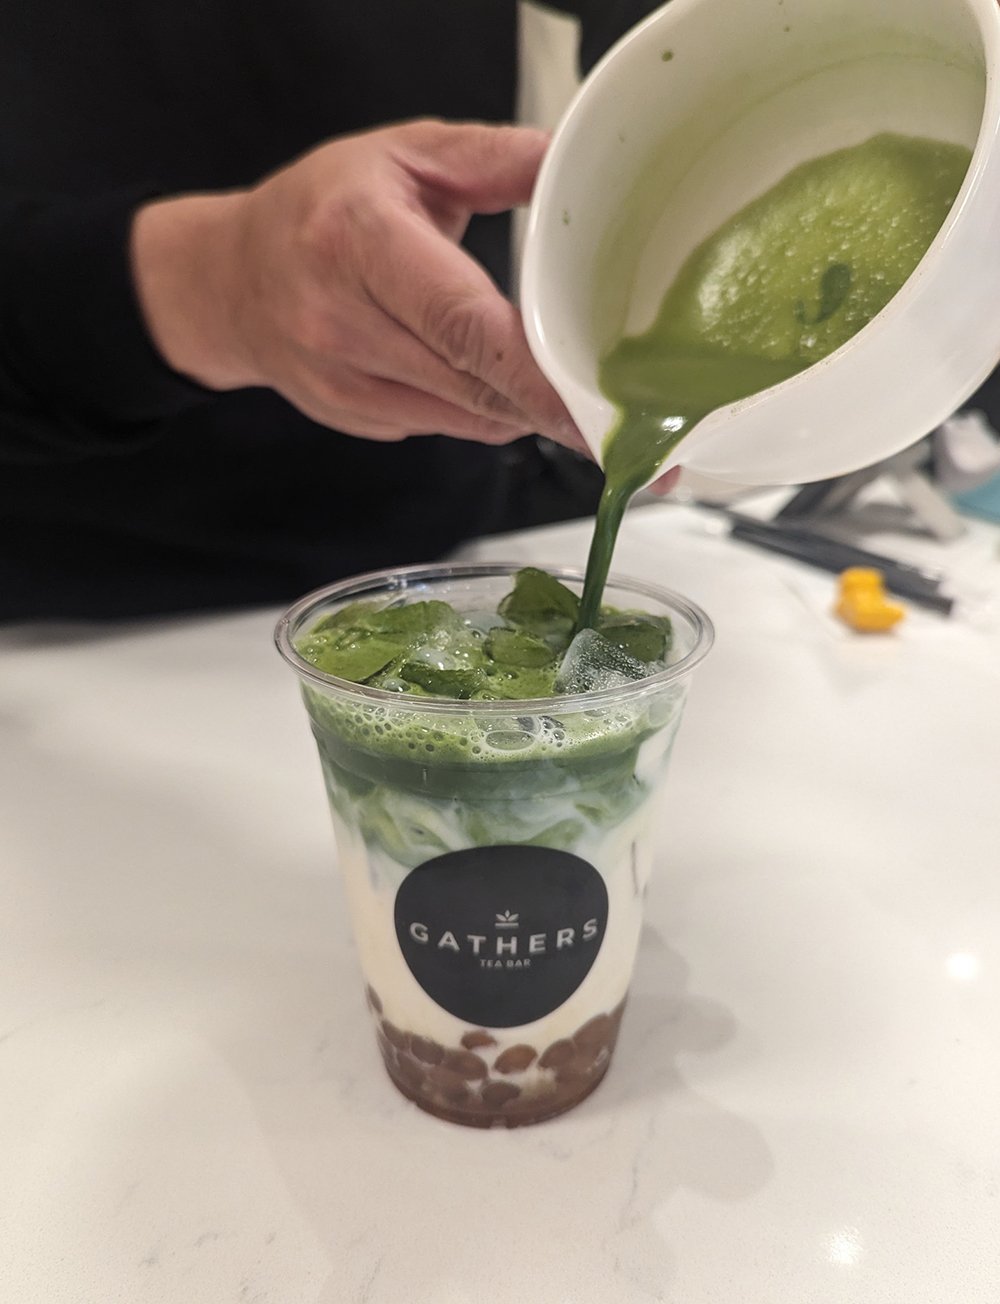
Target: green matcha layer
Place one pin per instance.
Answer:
(426, 652)
(429, 649)
(413, 810)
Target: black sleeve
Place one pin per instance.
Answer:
(79, 375)
(602, 23)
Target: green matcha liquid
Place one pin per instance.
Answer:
(787, 280)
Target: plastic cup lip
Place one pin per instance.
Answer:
(402, 578)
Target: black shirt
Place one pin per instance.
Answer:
(125, 489)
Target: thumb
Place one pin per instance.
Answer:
(487, 169)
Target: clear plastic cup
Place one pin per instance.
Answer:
(495, 854)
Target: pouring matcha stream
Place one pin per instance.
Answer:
(782, 284)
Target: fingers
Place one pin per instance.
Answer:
(489, 168)
(383, 348)
(388, 351)
(360, 404)
(354, 300)
(421, 393)
(435, 290)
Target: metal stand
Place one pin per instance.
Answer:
(928, 508)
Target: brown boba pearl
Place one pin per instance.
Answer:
(409, 1072)
(514, 1059)
(568, 1092)
(576, 1070)
(373, 999)
(477, 1040)
(496, 1094)
(422, 1048)
(560, 1052)
(401, 1040)
(595, 1034)
(465, 1064)
(447, 1084)
(384, 1045)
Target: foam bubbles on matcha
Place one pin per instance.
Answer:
(516, 653)
(427, 651)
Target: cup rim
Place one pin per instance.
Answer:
(406, 576)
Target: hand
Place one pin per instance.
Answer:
(339, 282)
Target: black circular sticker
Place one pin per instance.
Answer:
(501, 936)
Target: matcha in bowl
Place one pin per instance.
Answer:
(492, 773)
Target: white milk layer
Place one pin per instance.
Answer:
(621, 856)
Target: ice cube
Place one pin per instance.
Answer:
(592, 663)
(483, 621)
(440, 658)
(448, 649)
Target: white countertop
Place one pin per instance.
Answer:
(804, 1107)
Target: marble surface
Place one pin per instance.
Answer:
(803, 1108)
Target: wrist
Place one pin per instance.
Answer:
(184, 254)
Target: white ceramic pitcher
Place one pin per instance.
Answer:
(707, 104)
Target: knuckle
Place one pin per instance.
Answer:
(313, 334)
(456, 330)
(346, 237)
(330, 225)
(486, 400)
(323, 331)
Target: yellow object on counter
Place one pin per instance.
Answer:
(862, 603)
